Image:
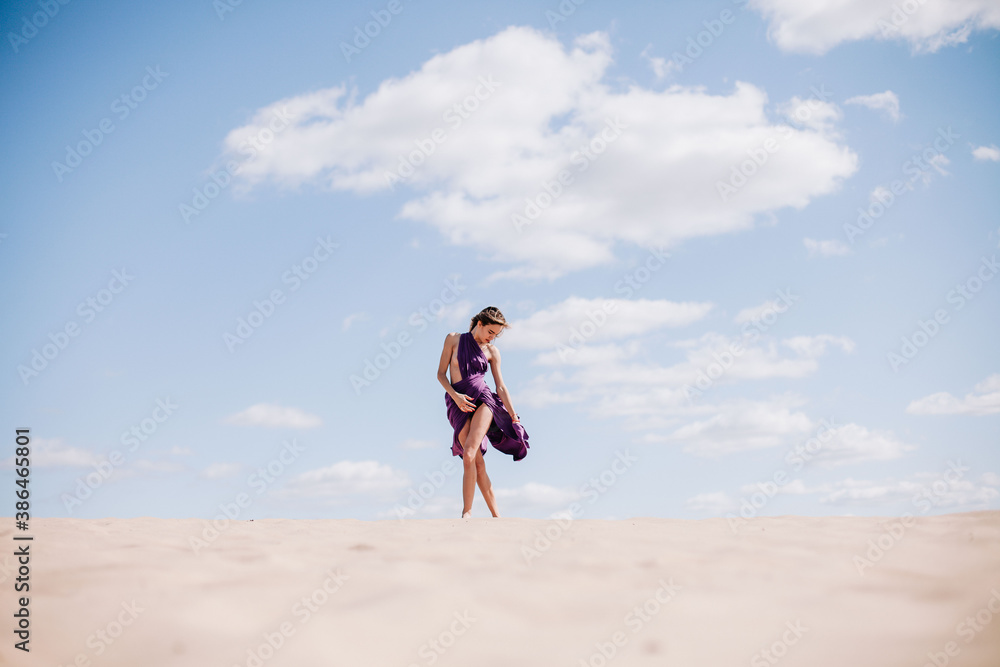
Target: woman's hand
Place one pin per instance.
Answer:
(515, 419)
(464, 403)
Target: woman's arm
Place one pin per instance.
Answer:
(501, 387)
(449, 345)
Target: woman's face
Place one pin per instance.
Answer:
(488, 333)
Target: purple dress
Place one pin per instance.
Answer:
(503, 434)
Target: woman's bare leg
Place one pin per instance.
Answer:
(483, 480)
(480, 422)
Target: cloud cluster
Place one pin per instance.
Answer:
(816, 26)
(620, 372)
(826, 248)
(887, 102)
(346, 479)
(983, 400)
(986, 153)
(921, 492)
(54, 453)
(481, 134)
(274, 416)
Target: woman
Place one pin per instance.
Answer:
(476, 413)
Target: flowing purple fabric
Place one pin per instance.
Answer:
(503, 434)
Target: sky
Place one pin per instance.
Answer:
(748, 252)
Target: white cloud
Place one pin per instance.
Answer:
(52, 453)
(983, 400)
(221, 470)
(826, 248)
(986, 153)
(744, 425)
(274, 416)
(455, 314)
(537, 495)
(352, 318)
(412, 443)
(756, 312)
(796, 487)
(853, 443)
(598, 320)
(815, 346)
(939, 162)
(756, 362)
(887, 102)
(879, 194)
(656, 181)
(922, 492)
(813, 113)
(528, 499)
(715, 503)
(147, 465)
(816, 26)
(661, 66)
(539, 500)
(345, 479)
(434, 507)
(143, 467)
(625, 383)
(619, 380)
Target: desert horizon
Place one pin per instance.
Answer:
(881, 591)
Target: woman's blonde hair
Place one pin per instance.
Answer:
(489, 315)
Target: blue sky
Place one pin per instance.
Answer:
(747, 248)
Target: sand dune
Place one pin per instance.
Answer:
(842, 591)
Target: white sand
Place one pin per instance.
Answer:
(460, 592)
